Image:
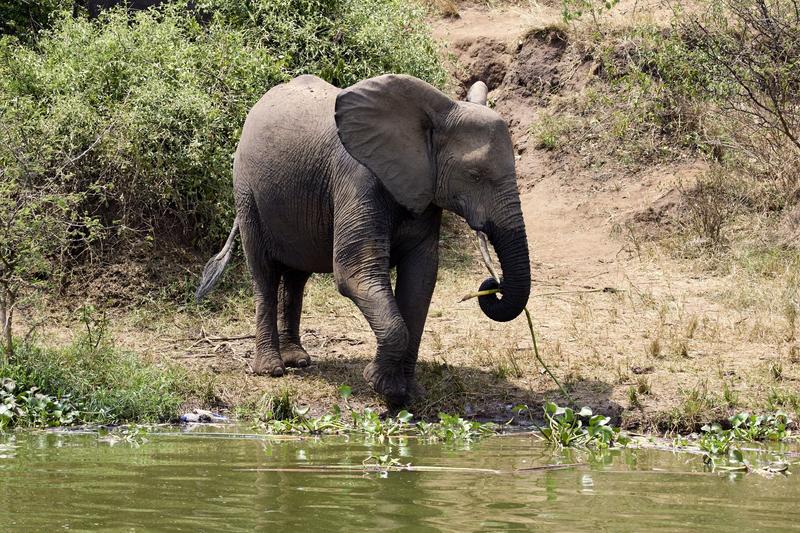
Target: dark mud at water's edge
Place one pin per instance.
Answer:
(215, 480)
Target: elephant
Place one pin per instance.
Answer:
(353, 181)
(95, 7)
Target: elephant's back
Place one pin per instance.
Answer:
(293, 125)
(301, 107)
(284, 163)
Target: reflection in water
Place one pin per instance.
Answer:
(198, 481)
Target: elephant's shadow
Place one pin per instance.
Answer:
(468, 390)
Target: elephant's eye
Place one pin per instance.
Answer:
(475, 176)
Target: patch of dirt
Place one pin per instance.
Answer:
(587, 226)
(538, 64)
(482, 59)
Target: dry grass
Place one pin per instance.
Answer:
(669, 354)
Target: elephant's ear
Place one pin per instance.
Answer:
(386, 124)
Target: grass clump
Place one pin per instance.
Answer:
(92, 381)
(551, 131)
(105, 384)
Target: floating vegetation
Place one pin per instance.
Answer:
(132, 435)
(567, 428)
(370, 423)
(31, 408)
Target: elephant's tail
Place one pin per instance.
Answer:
(216, 265)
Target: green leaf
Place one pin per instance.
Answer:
(345, 391)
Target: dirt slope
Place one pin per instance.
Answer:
(670, 337)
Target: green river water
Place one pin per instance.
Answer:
(214, 480)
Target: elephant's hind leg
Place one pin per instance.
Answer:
(266, 277)
(290, 303)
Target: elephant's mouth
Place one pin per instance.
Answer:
(513, 287)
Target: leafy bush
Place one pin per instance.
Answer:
(723, 81)
(143, 116)
(129, 123)
(24, 18)
(752, 49)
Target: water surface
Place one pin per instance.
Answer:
(207, 481)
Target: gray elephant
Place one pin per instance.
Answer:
(95, 7)
(354, 182)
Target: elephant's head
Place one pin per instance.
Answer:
(429, 149)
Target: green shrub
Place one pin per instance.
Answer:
(24, 18)
(656, 89)
(141, 113)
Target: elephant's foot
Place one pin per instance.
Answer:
(295, 355)
(416, 391)
(270, 365)
(389, 381)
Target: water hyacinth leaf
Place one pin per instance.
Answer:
(599, 420)
(738, 420)
(345, 391)
(585, 412)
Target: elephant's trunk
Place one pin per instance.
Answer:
(511, 244)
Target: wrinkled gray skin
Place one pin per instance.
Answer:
(95, 7)
(354, 182)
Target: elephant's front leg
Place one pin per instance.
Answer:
(363, 276)
(416, 279)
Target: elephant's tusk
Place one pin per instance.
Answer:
(483, 246)
(471, 295)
